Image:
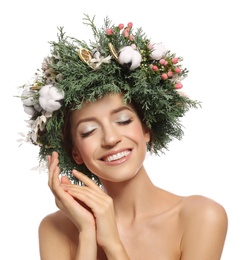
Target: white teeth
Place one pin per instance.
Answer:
(117, 156)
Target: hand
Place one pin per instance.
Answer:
(76, 211)
(89, 208)
(100, 204)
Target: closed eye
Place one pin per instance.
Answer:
(86, 134)
(125, 122)
(90, 132)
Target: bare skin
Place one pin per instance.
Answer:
(131, 218)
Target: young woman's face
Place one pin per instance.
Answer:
(108, 137)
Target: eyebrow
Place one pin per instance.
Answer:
(114, 111)
(119, 109)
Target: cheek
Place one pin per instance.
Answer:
(137, 133)
(85, 147)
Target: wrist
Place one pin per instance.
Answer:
(87, 246)
(87, 234)
(116, 252)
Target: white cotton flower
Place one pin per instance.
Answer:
(158, 51)
(29, 104)
(27, 97)
(37, 107)
(129, 57)
(50, 98)
(29, 110)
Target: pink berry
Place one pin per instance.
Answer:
(155, 68)
(175, 60)
(121, 26)
(178, 85)
(177, 70)
(162, 61)
(126, 34)
(130, 25)
(170, 73)
(164, 76)
(109, 31)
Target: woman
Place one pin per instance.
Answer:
(96, 111)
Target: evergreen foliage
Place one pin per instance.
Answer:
(162, 105)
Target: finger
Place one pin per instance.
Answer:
(101, 207)
(64, 201)
(53, 169)
(65, 180)
(85, 190)
(54, 181)
(92, 198)
(86, 180)
(48, 160)
(86, 196)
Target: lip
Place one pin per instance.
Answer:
(118, 160)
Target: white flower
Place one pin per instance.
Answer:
(38, 125)
(24, 138)
(42, 167)
(29, 103)
(45, 63)
(27, 97)
(158, 51)
(50, 98)
(97, 60)
(29, 110)
(96, 54)
(129, 57)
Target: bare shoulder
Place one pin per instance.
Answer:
(205, 226)
(198, 210)
(57, 234)
(202, 206)
(56, 222)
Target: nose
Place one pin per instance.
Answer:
(111, 136)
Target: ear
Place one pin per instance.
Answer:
(77, 156)
(147, 134)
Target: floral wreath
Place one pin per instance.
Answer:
(120, 60)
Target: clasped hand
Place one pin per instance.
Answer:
(88, 206)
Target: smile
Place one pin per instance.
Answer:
(117, 156)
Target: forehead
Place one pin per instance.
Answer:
(109, 101)
(105, 105)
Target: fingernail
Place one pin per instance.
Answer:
(64, 186)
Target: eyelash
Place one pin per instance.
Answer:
(126, 122)
(84, 135)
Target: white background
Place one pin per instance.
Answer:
(211, 160)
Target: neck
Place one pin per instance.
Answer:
(133, 198)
